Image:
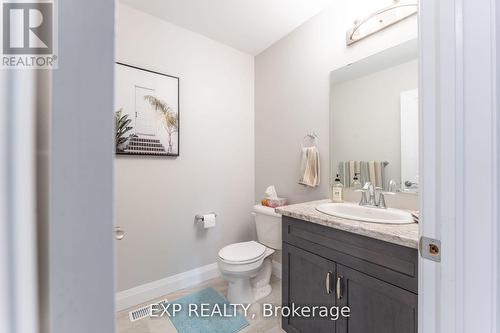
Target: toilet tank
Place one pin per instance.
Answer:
(268, 225)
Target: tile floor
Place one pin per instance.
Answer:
(258, 324)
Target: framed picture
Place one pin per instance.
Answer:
(147, 112)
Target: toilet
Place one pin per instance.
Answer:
(247, 266)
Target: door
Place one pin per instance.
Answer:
(459, 173)
(78, 243)
(409, 138)
(307, 281)
(144, 112)
(375, 306)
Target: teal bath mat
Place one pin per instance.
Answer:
(210, 313)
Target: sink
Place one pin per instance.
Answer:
(366, 214)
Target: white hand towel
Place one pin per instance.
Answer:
(310, 167)
(368, 171)
(352, 171)
(371, 172)
(378, 174)
(303, 164)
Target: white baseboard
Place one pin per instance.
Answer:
(143, 293)
(277, 269)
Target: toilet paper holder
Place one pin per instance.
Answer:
(200, 218)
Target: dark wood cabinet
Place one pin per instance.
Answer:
(315, 275)
(375, 305)
(328, 267)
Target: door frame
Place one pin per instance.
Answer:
(459, 164)
(18, 246)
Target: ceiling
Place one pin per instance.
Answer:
(250, 26)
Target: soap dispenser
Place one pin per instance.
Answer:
(356, 184)
(337, 189)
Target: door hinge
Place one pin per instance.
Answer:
(430, 248)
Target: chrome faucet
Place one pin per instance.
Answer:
(371, 200)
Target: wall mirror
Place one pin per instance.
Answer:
(374, 120)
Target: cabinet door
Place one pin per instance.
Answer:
(307, 281)
(375, 305)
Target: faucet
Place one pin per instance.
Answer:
(371, 201)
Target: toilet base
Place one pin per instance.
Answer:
(246, 290)
(259, 293)
(240, 291)
(260, 283)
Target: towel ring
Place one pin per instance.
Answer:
(311, 136)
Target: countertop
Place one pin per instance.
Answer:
(401, 234)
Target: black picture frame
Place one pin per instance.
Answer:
(152, 153)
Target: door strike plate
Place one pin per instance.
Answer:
(430, 248)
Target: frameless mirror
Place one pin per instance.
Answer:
(374, 120)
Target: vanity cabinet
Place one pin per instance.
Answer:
(310, 274)
(323, 266)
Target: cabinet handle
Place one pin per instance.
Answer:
(339, 287)
(327, 283)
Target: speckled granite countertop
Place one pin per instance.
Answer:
(401, 234)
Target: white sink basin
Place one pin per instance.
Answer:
(366, 214)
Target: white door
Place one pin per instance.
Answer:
(458, 168)
(144, 113)
(409, 137)
(76, 243)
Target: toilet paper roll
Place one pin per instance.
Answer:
(208, 221)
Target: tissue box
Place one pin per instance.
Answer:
(274, 202)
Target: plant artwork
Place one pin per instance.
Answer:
(169, 119)
(122, 127)
(147, 122)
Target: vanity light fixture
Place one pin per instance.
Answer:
(380, 20)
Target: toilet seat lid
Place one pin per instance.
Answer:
(243, 252)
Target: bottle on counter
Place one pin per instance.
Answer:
(337, 190)
(356, 184)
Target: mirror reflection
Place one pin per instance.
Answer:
(374, 121)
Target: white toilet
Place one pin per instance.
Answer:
(247, 265)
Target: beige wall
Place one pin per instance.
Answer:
(157, 198)
(292, 92)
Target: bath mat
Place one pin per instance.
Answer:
(206, 301)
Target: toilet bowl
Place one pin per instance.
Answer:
(247, 266)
